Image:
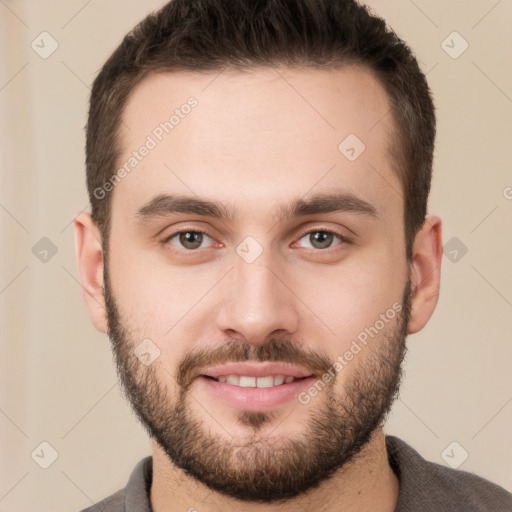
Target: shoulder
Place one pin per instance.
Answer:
(114, 503)
(428, 486)
(132, 498)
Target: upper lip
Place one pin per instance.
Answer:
(256, 369)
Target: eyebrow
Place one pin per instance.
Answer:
(166, 204)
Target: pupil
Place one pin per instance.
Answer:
(322, 238)
(191, 239)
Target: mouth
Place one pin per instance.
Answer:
(255, 386)
(248, 381)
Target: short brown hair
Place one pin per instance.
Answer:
(321, 34)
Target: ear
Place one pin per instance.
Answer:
(425, 273)
(89, 254)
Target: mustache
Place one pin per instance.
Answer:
(276, 350)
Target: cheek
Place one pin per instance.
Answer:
(158, 300)
(352, 296)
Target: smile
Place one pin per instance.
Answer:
(247, 381)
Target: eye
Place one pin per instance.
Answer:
(322, 238)
(188, 239)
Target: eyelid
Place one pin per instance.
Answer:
(169, 237)
(342, 237)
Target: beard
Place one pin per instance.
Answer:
(264, 468)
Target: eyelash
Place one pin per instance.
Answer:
(343, 240)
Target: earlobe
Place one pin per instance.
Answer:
(89, 254)
(425, 273)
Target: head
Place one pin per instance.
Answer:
(223, 137)
(209, 35)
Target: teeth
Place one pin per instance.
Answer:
(265, 382)
(233, 379)
(246, 381)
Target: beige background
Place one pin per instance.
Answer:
(58, 382)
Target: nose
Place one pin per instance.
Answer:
(257, 302)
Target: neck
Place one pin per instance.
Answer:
(367, 483)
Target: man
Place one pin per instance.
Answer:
(258, 251)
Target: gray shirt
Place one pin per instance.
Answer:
(424, 486)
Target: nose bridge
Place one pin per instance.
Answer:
(256, 303)
(255, 282)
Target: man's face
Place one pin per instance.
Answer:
(234, 305)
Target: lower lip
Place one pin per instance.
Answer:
(255, 399)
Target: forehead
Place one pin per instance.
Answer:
(267, 131)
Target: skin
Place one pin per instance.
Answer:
(258, 140)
